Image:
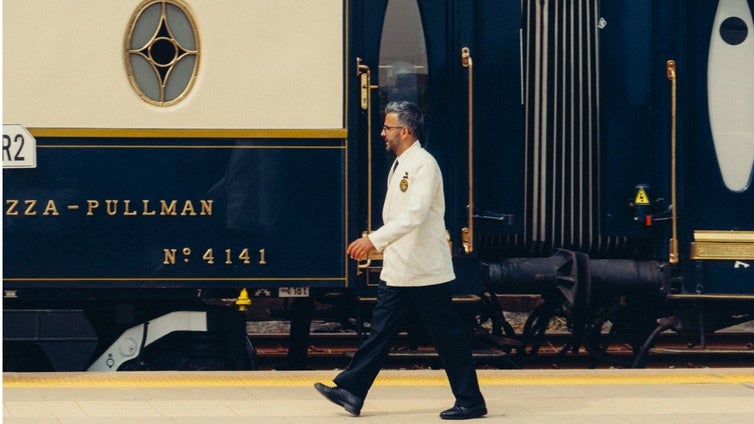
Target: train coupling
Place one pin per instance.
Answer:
(579, 279)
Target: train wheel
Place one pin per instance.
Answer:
(535, 327)
(598, 345)
(631, 322)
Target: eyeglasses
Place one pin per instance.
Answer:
(387, 128)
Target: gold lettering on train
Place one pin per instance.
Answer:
(127, 208)
(30, 204)
(168, 209)
(146, 211)
(51, 209)
(206, 207)
(91, 206)
(188, 209)
(10, 207)
(212, 256)
(112, 207)
(169, 256)
(30, 207)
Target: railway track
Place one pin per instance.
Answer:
(333, 350)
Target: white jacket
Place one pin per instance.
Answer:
(413, 237)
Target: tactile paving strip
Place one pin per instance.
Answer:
(386, 378)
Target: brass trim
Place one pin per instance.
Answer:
(371, 256)
(346, 123)
(338, 133)
(365, 77)
(467, 233)
(372, 275)
(722, 251)
(673, 248)
(724, 236)
(127, 279)
(702, 351)
(722, 245)
(182, 146)
(374, 256)
(710, 297)
(365, 80)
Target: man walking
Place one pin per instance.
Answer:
(417, 271)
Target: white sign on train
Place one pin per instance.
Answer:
(19, 147)
(293, 291)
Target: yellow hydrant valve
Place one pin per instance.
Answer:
(243, 300)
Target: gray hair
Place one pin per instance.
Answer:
(409, 115)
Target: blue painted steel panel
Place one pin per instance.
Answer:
(185, 213)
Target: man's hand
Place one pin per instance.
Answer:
(359, 248)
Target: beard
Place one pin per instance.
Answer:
(391, 145)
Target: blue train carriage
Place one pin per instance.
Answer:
(161, 154)
(637, 170)
(592, 155)
(588, 159)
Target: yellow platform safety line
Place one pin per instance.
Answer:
(386, 378)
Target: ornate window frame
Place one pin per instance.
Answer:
(162, 51)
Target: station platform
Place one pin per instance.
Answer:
(639, 396)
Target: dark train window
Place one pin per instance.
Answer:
(162, 51)
(734, 31)
(403, 70)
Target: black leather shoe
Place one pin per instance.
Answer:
(464, 412)
(341, 397)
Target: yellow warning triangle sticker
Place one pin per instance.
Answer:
(641, 197)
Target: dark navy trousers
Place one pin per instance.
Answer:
(434, 306)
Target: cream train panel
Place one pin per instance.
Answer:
(730, 85)
(263, 65)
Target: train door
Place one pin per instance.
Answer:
(718, 155)
(460, 62)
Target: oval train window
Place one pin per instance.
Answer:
(162, 51)
(403, 70)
